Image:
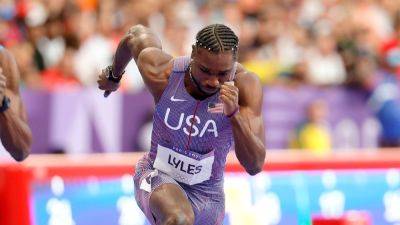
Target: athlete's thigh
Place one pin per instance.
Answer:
(169, 199)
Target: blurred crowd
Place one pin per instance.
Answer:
(63, 44)
(330, 42)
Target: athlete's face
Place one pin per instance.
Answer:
(211, 70)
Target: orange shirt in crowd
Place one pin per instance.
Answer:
(54, 79)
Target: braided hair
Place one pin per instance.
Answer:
(217, 38)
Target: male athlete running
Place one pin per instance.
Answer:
(204, 104)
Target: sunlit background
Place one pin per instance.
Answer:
(331, 76)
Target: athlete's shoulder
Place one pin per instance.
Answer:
(250, 89)
(155, 61)
(154, 56)
(181, 64)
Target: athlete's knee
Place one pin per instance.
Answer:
(179, 218)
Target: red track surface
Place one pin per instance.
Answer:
(15, 179)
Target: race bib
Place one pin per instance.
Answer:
(184, 166)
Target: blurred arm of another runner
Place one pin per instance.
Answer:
(15, 133)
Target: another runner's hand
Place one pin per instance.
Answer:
(229, 95)
(105, 84)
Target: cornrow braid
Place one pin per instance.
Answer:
(217, 38)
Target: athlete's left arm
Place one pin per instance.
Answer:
(247, 124)
(15, 133)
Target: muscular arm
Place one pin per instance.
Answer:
(248, 126)
(15, 133)
(144, 47)
(137, 38)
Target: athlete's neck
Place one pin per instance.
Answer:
(192, 89)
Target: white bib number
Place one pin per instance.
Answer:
(183, 168)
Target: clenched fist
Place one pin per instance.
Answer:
(229, 95)
(105, 83)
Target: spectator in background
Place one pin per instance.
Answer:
(52, 44)
(95, 51)
(384, 91)
(298, 76)
(261, 57)
(9, 31)
(62, 75)
(325, 65)
(373, 19)
(275, 36)
(313, 134)
(391, 47)
(30, 74)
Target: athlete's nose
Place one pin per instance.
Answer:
(214, 82)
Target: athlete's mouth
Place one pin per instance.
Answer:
(211, 90)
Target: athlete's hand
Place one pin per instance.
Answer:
(3, 82)
(229, 95)
(105, 84)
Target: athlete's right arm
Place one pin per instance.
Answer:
(141, 44)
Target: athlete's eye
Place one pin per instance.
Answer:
(204, 70)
